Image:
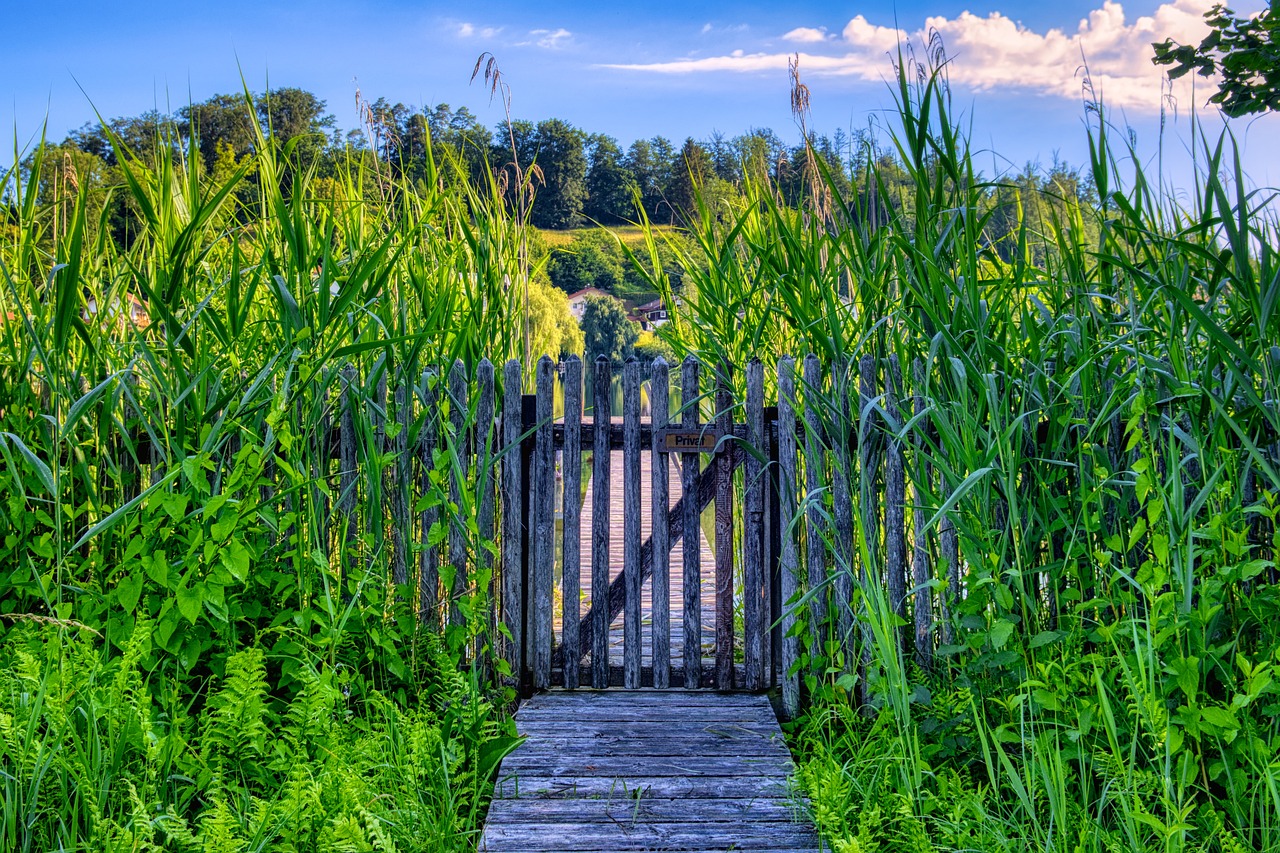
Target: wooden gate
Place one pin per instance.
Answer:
(641, 540)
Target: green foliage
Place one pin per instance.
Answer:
(592, 259)
(607, 331)
(1242, 51)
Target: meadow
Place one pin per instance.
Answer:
(196, 653)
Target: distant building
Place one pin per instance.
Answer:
(578, 300)
(132, 312)
(654, 314)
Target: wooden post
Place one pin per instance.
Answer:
(790, 558)
(486, 484)
(512, 522)
(842, 467)
(542, 569)
(429, 562)
(949, 548)
(868, 468)
(920, 573)
(571, 544)
(692, 580)
(601, 417)
(458, 446)
(754, 581)
(631, 522)
(660, 531)
(724, 533)
(814, 469)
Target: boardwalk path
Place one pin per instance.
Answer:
(646, 770)
(676, 590)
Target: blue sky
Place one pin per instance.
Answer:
(633, 70)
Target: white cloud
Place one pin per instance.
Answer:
(469, 30)
(997, 53)
(548, 39)
(706, 28)
(807, 35)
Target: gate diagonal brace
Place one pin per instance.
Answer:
(617, 587)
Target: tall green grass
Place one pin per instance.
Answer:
(173, 566)
(1099, 405)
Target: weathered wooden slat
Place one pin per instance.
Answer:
(621, 809)
(631, 521)
(400, 488)
(922, 607)
(754, 583)
(579, 837)
(673, 699)
(601, 414)
(660, 530)
(646, 785)
(486, 478)
(512, 523)
(790, 557)
(347, 465)
(380, 474)
(542, 569)
(457, 445)
(429, 561)
(842, 468)
(571, 547)
(814, 471)
(895, 487)
(724, 534)
(550, 748)
(692, 579)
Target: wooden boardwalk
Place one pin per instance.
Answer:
(647, 770)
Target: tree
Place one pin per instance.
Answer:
(553, 330)
(607, 331)
(592, 259)
(610, 184)
(1243, 50)
(650, 163)
(563, 164)
(223, 120)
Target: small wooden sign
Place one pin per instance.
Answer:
(682, 440)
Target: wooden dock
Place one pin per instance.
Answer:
(647, 770)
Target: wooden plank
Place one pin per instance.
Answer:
(622, 809)
(724, 534)
(692, 580)
(895, 487)
(790, 557)
(949, 548)
(457, 446)
(645, 785)
(576, 836)
(660, 529)
(754, 583)
(673, 699)
(549, 748)
(512, 525)
(814, 473)
(631, 520)
(379, 472)
(601, 414)
(922, 606)
(570, 549)
(542, 567)
(429, 561)
(842, 469)
(486, 482)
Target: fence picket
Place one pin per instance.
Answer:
(790, 557)
(512, 525)
(400, 489)
(601, 417)
(842, 508)
(692, 579)
(895, 487)
(660, 532)
(347, 462)
(486, 485)
(571, 545)
(922, 607)
(429, 562)
(814, 468)
(754, 581)
(542, 569)
(631, 522)
(868, 469)
(457, 445)
(724, 533)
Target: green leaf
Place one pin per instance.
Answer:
(1000, 633)
(190, 600)
(1044, 638)
(42, 470)
(128, 591)
(236, 558)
